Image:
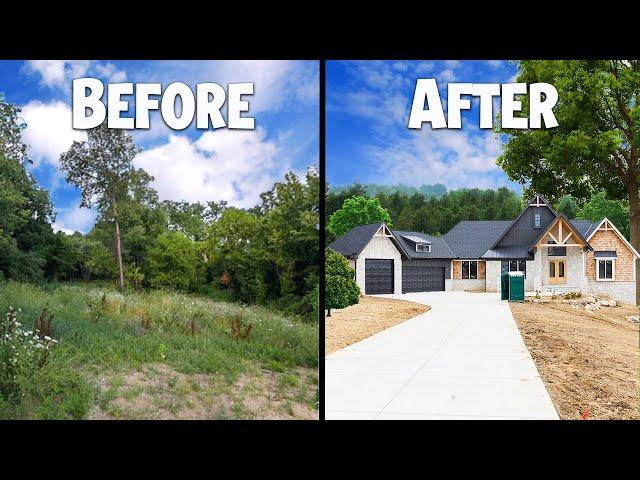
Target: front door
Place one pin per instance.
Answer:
(557, 272)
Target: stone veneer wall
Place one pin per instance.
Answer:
(380, 247)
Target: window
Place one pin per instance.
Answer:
(518, 266)
(469, 269)
(557, 251)
(552, 269)
(537, 221)
(423, 247)
(605, 270)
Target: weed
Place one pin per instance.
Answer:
(239, 330)
(43, 324)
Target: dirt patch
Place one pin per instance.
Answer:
(157, 392)
(371, 315)
(589, 361)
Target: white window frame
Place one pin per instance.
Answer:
(537, 220)
(516, 260)
(426, 245)
(462, 262)
(613, 269)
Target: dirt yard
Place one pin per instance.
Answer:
(372, 315)
(589, 361)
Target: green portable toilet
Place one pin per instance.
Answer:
(516, 287)
(504, 290)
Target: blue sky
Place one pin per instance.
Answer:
(368, 106)
(193, 165)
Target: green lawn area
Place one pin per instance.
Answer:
(161, 354)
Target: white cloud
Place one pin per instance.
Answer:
(455, 158)
(278, 84)
(48, 131)
(74, 219)
(60, 73)
(452, 63)
(446, 76)
(495, 63)
(231, 165)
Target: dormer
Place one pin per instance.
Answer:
(422, 245)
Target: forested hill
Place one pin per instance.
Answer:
(372, 189)
(436, 215)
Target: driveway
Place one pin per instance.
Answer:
(463, 359)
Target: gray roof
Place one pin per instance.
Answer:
(512, 252)
(468, 239)
(585, 227)
(439, 249)
(472, 238)
(353, 242)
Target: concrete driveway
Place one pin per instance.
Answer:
(464, 359)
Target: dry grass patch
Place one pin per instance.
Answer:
(589, 361)
(371, 315)
(157, 392)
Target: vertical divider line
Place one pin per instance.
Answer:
(321, 238)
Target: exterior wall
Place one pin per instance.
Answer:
(624, 286)
(574, 271)
(380, 247)
(493, 275)
(522, 232)
(475, 284)
(623, 291)
(608, 240)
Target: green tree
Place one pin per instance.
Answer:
(102, 167)
(235, 247)
(172, 262)
(599, 207)
(25, 223)
(11, 126)
(193, 219)
(357, 211)
(341, 289)
(93, 258)
(567, 206)
(291, 217)
(596, 145)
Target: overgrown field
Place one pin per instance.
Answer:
(159, 355)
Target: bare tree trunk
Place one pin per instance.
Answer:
(118, 248)
(634, 226)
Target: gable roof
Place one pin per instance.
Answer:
(561, 217)
(353, 242)
(537, 198)
(625, 241)
(472, 238)
(439, 248)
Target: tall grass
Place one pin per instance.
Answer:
(100, 329)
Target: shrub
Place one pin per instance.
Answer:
(22, 352)
(341, 288)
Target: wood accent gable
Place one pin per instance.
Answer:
(608, 239)
(607, 225)
(560, 233)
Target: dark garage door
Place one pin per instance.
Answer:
(422, 279)
(378, 276)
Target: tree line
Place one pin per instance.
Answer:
(265, 254)
(351, 206)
